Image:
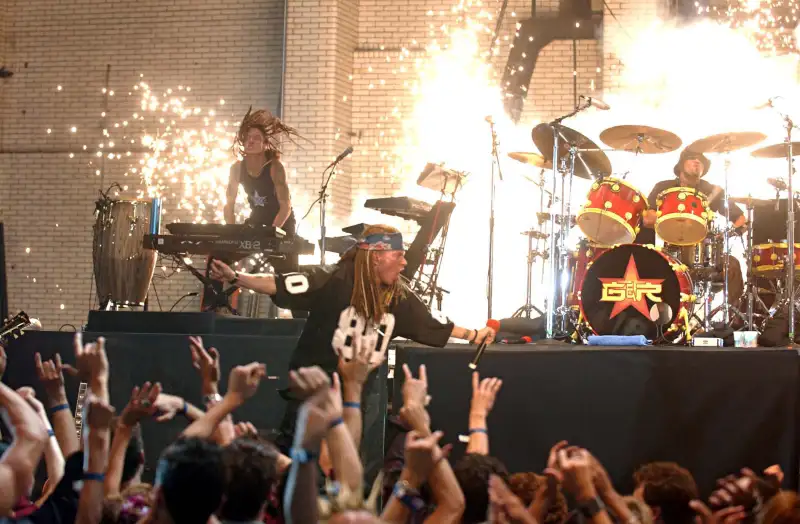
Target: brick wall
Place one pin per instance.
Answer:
(230, 51)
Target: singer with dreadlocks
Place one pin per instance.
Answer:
(368, 278)
(263, 178)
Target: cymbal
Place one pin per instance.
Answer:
(755, 202)
(725, 142)
(590, 162)
(440, 178)
(776, 151)
(641, 139)
(534, 159)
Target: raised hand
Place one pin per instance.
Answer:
(221, 271)
(421, 454)
(99, 414)
(51, 376)
(245, 429)
(167, 406)
(357, 369)
(142, 404)
(243, 381)
(415, 390)
(729, 515)
(27, 393)
(484, 393)
(306, 382)
(504, 506)
(206, 361)
(416, 417)
(91, 359)
(576, 466)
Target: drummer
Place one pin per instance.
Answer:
(690, 170)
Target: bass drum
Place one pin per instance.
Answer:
(623, 284)
(123, 268)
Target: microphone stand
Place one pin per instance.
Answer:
(495, 163)
(323, 205)
(790, 230)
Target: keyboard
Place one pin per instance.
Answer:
(233, 241)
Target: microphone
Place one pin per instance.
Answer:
(495, 325)
(344, 154)
(521, 340)
(489, 119)
(596, 102)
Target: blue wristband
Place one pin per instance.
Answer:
(185, 410)
(55, 409)
(336, 422)
(51, 433)
(302, 456)
(478, 430)
(354, 405)
(94, 476)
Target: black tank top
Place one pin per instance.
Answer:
(263, 198)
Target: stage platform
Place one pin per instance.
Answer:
(712, 410)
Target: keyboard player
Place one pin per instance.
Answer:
(263, 178)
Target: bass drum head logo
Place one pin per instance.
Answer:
(622, 285)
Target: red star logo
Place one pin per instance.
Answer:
(633, 294)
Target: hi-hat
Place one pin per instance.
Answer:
(640, 139)
(776, 151)
(590, 161)
(533, 159)
(726, 142)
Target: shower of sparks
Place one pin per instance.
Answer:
(770, 24)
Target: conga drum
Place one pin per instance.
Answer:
(123, 268)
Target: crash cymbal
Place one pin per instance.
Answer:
(533, 159)
(640, 139)
(726, 142)
(590, 161)
(776, 151)
(439, 178)
(754, 202)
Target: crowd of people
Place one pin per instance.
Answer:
(223, 470)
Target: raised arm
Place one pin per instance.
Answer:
(90, 504)
(53, 458)
(51, 376)
(354, 374)
(260, 283)
(278, 174)
(484, 393)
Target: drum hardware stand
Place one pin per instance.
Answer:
(553, 269)
(527, 310)
(750, 286)
(495, 167)
(564, 310)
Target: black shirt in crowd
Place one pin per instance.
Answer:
(713, 192)
(329, 293)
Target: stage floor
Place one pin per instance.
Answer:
(711, 410)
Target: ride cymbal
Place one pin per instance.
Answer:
(590, 160)
(640, 139)
(726, 142)
(776, 151)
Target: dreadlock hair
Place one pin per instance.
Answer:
(372, 299)
(270, 126)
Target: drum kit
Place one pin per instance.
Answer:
(610, 285)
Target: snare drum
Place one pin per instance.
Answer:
(769, 259)
(624, 283)
(683, 216)
(612, 212)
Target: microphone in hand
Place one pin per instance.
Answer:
(494, 325)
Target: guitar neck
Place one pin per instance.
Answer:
(81, 400)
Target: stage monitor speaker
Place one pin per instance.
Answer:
(188, 323)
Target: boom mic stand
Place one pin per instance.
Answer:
(323, 206)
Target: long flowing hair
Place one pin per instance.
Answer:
(371, 298)
(273, 129)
